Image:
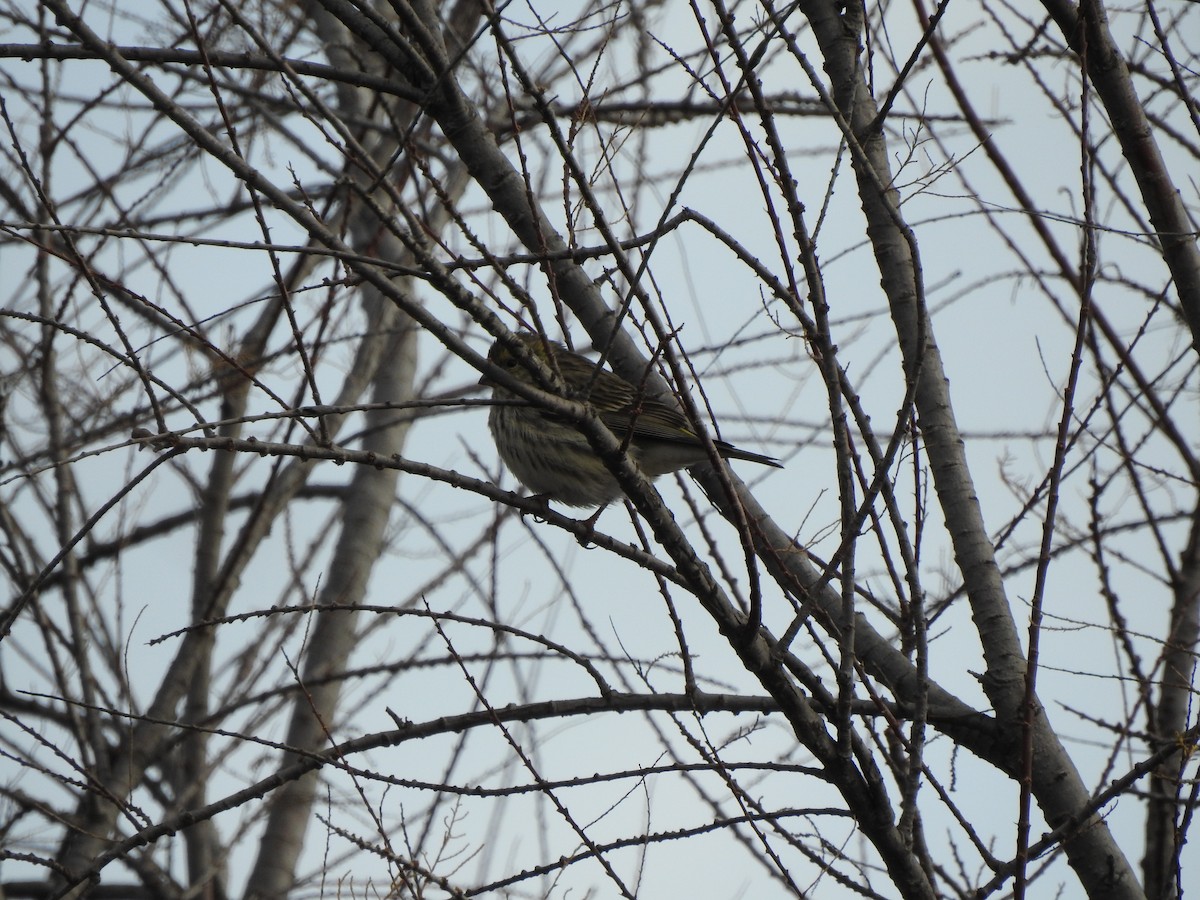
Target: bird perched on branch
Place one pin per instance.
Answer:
(553, 458)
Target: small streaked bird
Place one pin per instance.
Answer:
(553, 459)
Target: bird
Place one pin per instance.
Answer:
(551, 456)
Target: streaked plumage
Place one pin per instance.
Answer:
(553, 458)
